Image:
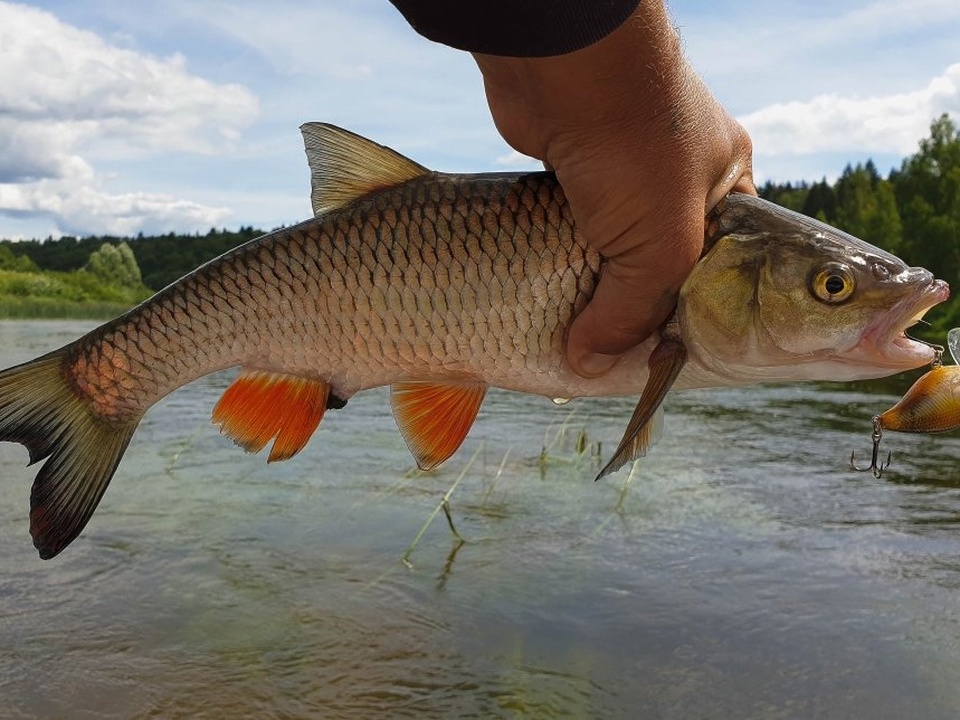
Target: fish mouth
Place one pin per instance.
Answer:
(885, 342)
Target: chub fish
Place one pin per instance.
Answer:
(441, 286)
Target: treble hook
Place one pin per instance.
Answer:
(876, 467)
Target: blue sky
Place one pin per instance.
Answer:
(177, 115)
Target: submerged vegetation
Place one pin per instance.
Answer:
(914, 212)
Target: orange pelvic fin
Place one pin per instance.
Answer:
(434, 418)
(262, 406)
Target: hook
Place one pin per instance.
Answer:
(875, 466)
(938, 355)
(938, 350)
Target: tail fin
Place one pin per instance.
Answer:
(40, 410)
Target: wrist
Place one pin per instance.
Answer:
(632, 77)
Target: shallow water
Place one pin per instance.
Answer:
(745, 572)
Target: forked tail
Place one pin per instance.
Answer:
(39, 409)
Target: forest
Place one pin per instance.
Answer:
(914, 213)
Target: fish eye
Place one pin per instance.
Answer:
(834, 283)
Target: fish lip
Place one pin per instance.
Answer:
(885, 340)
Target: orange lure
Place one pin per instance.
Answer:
(932, 404)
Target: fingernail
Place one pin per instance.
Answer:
(594, 364)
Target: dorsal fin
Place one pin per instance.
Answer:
(435, 417)
(345, 166)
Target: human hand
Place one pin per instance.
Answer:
(643, 151)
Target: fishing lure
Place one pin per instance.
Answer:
(931, 405)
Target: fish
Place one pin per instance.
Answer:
(932, 404)
(442, 286)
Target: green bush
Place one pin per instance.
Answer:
(115, 265)
(64, 294)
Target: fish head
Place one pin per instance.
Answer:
(780, 296)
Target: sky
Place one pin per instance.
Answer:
(182, 115)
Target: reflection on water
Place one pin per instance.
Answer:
(744, 573)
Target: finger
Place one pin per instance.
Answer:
(633, 298)
(745, 185)
(738, 176)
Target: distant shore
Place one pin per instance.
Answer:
(77, 295)
(41, 308)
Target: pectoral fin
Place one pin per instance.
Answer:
(434, 418)
(643, 431)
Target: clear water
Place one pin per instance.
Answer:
(745, 572)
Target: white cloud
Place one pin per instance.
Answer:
(358, 64)
(340, 39)
(88, 210)
(881, 19)
(518, 160)
(880, 123)
(67, 97)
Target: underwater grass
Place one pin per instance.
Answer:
(443, 505)
(559, 450)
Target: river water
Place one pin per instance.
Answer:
(741, 571)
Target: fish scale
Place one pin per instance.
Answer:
(442, 286)
(331, 298)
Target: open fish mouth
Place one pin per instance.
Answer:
(885, 342)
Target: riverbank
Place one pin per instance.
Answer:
(40, 308)
(77, 295)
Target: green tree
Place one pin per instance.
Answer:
(821, 202)
(786, 194)
(11, 261)
(927, 188)
(115, 265)
(866, 207)
(883, 224)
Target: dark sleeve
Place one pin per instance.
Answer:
(518, 28)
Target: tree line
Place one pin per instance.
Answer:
(914, 212)
(161, 259)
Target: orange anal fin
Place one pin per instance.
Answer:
(434, 418)
(262, 406)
